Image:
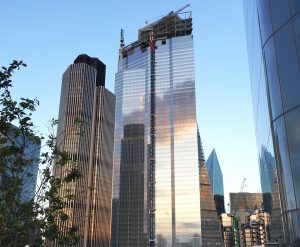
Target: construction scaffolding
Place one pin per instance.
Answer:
(174, 24)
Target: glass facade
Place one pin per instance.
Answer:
(177, 191)
(84, 97)
(215, 174)
(216, 180)
(272, 29)
(29, 175)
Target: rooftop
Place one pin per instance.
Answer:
(172, 25)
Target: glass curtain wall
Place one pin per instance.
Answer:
(177, 173)
(273, 36)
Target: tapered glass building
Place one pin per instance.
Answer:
(84, 97)
(273, 35)
(216, 180)
(156, 195)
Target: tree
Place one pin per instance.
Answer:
(34, 221)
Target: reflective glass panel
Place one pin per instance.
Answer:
(272, 78)
(264, 19)
(295, 6)
(284, 166)
(293, 134)
(280, 12)
(288, 67)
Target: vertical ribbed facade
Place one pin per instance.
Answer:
(176, 171)
(91, 145)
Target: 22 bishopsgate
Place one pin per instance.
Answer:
(156, 195)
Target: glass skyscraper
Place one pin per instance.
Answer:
(273, 35)
(156, 137)
(29, 175)
(216, 180)
(215, 174)
(84, 97)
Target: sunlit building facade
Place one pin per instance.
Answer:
(85, 98)
(211, 233)
(273, 36)
(177, 188)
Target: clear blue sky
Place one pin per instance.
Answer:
(48, 35)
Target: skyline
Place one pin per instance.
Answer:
(216, 122)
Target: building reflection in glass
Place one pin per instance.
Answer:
(131, 212)
(273, 36)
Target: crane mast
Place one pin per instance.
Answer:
(152, 140)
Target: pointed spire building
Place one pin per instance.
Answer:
(216, 181)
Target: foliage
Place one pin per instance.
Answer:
(28, 221)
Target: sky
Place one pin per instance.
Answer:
(49, 35)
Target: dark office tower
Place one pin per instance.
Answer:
(131, 233)
(210, 221)
(244, 203)
(84, 97)
(216, 180)
(201, 156)
(155, 88)
(273, 35)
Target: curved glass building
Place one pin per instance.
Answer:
(273, 35)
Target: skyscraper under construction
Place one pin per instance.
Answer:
(156, 195)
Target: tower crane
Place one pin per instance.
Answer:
(243, 185)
